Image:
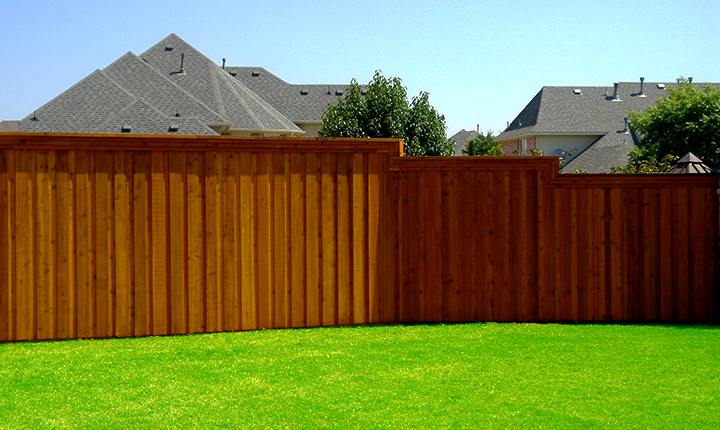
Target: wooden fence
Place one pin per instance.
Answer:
(116, 236)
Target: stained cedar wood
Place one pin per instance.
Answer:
(196, 244)
(700, 268)
(248, 262)
(387, 278)
(682, 250)
(433, 245)
(159, 239)
(650, 244)
(177, 207)
(374, 297)
(142, 255)
(98, 192)
(84, 262)
(213, 215)
(26, 320)
(399, 185)
(666, 257)
(123, 236)
(329, 231)
(562, 229)
(263, 239)
(102, 203)
(414, 249)
(451, 287)
(63, 247)
(6, 263)
(298, 233)
(280, 240)
(312, 240)
(359, 239)
(45, 268)
(466, 248)
(344, 240)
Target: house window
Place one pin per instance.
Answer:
(523, 147)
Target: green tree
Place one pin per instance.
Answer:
(384, 111)
(687, 120)
(483, 144)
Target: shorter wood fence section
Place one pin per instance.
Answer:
(116, 236)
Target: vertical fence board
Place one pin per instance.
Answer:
(359, 239)
(44, 249)
(344, 239)
(123, 234)
(160, 245)
(64, 246)
(666, 246)
(298, 291)
(681, 253)
(177, 208)
(6, 249)
(329, 240)
(248, 266)
(196, 244)
(281, 219)
(142, 250)
(213, 182)
(264, 241)
(313, 214)
(230, 259)
(374, 211)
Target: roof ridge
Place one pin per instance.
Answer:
(178, 87)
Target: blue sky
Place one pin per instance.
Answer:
(481, 61)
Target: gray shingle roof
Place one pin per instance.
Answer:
(587, 111)
(149, 93)
(299, 102)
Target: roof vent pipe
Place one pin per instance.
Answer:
(223, 66)
(690, 79)
(627, 126)
(616, 96)
(642, 90)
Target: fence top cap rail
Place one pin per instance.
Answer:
(144, 142)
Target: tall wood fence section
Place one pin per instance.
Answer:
(117, 236)
(507, 239)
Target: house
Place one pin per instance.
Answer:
(591, 119)
(461, 137)
(172, 88)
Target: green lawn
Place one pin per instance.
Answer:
(430, 376)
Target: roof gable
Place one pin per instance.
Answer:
(172, 80)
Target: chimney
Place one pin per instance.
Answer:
(223, 66)
(690, 79)
(642, 90)
(182, 62)
(616, 96)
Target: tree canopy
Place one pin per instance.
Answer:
(482, 144)
(687, 120)
(383, 110)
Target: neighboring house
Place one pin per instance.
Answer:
(591, 119)
(174, 89)
(461, 137)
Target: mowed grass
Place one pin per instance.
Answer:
(425, 376)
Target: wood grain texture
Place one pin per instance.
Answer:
(110, 236)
